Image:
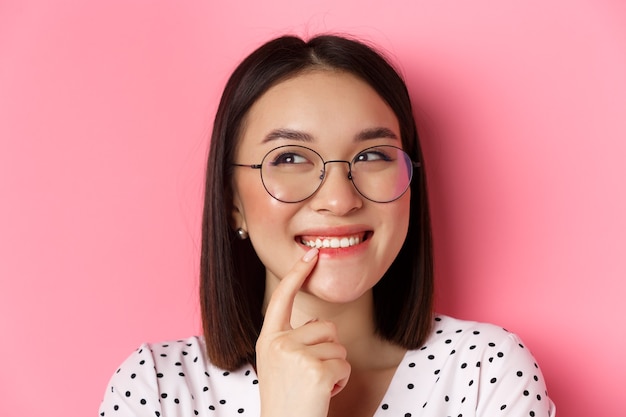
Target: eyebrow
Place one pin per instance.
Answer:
(376, 133)
(366, 134)
(288, 134)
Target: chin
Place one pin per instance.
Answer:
(335, 288)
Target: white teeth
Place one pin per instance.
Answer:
(334, 242)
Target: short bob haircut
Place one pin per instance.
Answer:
(232, 278)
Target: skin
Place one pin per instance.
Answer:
(318, 341)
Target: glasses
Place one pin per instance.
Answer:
(293, 173)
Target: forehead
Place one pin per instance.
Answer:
(321, 103)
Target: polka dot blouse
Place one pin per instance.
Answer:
(464, 369)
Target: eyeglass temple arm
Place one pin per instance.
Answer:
(253, 166)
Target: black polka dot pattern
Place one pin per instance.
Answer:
(468, 369)
(176, 379)
(463, 369)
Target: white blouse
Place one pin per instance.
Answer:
(464, 369)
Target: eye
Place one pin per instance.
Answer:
(289, 158)
(370, 155)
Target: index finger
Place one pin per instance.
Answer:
(278, 312)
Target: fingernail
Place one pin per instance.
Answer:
(312, 253)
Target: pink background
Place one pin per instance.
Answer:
(105, 109)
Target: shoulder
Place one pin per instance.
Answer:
(451, 336)
(173, 377)
(447, 326)
(163, 360)
(484, 364)
(487, 344)
(171, 354)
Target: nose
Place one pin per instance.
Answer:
(337, 194)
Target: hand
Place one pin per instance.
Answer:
(299, 369)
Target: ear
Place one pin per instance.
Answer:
(238, 219)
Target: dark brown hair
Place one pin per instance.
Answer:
(232, 278)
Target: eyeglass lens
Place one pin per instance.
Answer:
(293, 173)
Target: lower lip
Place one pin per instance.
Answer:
(327, 253)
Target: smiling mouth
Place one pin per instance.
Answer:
(334, 242)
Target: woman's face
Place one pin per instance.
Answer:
(333, 113)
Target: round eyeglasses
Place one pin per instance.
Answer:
(293, 173)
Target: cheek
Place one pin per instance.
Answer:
(401, 212)
(272, 240)
(250, 198)
(399, 215)
(268, 223)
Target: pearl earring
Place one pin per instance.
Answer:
(243, 235)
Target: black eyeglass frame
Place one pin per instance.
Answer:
(414, 164)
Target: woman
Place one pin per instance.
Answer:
(316, 271)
